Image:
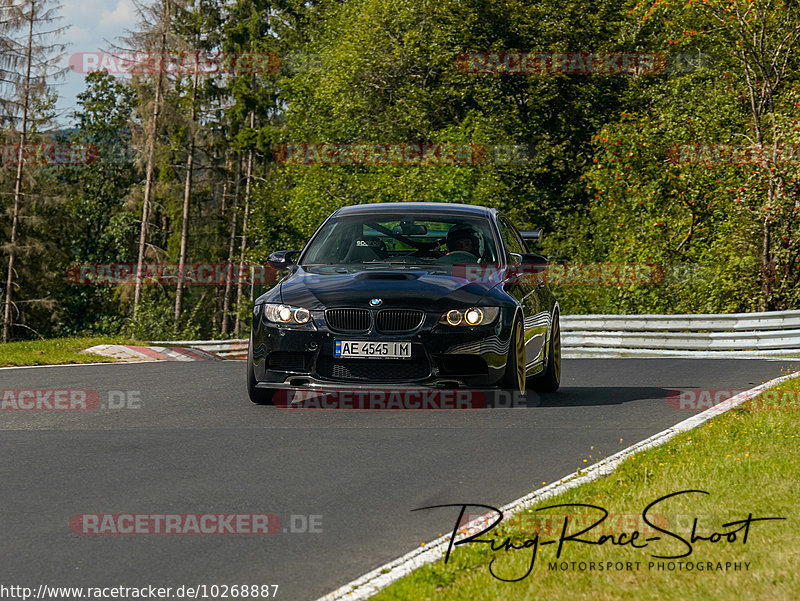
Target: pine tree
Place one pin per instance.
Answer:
(29, 66)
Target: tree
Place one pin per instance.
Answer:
(738, 217)
(98, 226)
(255, 103)
(389, 73)
(762, 36)
(155, 21)
(29, 68)
(196, 25)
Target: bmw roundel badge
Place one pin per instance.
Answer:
(376, 302)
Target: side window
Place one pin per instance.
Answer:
(519, 238)
(511, 239)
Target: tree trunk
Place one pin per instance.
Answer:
(226, 304)
(226, 180)
(187, 192)
(248, 186)
(7, 319)
(767, 263)
(151, 157)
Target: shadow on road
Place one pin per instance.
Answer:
(593, 396)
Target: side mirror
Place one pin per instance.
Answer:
(534, 263)
(523, 264)
(283, 259)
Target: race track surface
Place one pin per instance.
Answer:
(195, 444)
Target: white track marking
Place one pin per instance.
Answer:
(379, 578)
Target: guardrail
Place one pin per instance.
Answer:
(229, 349)
(734, 335)
(739, 335)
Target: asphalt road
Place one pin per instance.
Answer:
(195, 444)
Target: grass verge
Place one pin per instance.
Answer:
(745, 458)
(56, 351)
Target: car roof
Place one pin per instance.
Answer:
(432, 208)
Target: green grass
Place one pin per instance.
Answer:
(746, 459)
(55, 351)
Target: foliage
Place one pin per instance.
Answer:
(600, 170)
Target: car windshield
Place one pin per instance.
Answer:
(383, 239)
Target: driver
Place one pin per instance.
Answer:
(463, 238)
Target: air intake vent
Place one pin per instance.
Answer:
(374, 370)
(282, 361)
(348, 320)
(399, 320)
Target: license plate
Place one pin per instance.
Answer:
(360, 349)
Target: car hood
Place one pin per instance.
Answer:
(424, 288)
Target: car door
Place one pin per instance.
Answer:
(525, 288)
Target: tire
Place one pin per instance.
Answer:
(550, 380)
(514, 378)
(259, 396)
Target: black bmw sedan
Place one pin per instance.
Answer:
(407, 295)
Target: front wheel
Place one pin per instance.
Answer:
(514, 377)
(550, 380)
(259, 396)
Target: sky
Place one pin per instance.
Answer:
(92, 23)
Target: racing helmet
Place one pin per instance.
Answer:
(462, 231)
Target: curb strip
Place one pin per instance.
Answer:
(381, 577)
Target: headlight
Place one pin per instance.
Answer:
(474, 316)
(286, 314)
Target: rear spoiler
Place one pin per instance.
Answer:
(532, 235)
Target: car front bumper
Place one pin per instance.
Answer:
(286, 357)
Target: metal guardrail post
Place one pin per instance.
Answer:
(774, 333)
